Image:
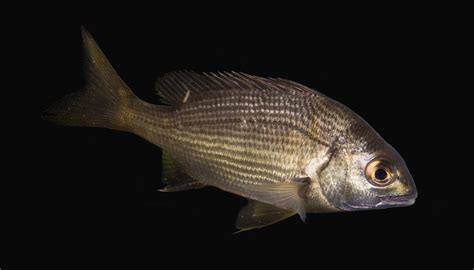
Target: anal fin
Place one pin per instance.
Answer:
(257, 215)
(174, 178)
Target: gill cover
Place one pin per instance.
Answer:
(332, 180)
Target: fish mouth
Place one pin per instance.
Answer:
(397, 201)
(384, 202)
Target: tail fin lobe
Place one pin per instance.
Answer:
(103, 100)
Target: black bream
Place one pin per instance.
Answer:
(285, 147)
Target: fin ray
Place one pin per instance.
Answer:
(173, 87)
(102, 100)
(174, 178)
(258, 215)
(284, 195)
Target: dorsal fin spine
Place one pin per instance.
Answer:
(174, 87)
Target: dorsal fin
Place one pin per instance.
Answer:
(176, 88)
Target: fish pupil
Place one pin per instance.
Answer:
(381, 174)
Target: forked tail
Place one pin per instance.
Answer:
(104, 99)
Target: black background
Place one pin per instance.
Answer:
(91, 192)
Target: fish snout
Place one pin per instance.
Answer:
(407, 199)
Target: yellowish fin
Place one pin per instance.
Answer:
(103, 100)
(174, 177)
(257, 215)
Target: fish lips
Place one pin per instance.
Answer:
(383, 202)
(397, 201)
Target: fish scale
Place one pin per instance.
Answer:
(258, 160)
(215, 134)
(220, 140)
(285, 147)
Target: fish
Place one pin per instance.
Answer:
(288, 149)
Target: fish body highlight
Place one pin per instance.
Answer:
(287, 148)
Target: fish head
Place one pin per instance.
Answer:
(364, 173)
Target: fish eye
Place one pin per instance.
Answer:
(379, 172)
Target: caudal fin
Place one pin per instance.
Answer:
(103, 100)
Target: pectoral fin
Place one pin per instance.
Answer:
(285, 195)
(257, 215)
